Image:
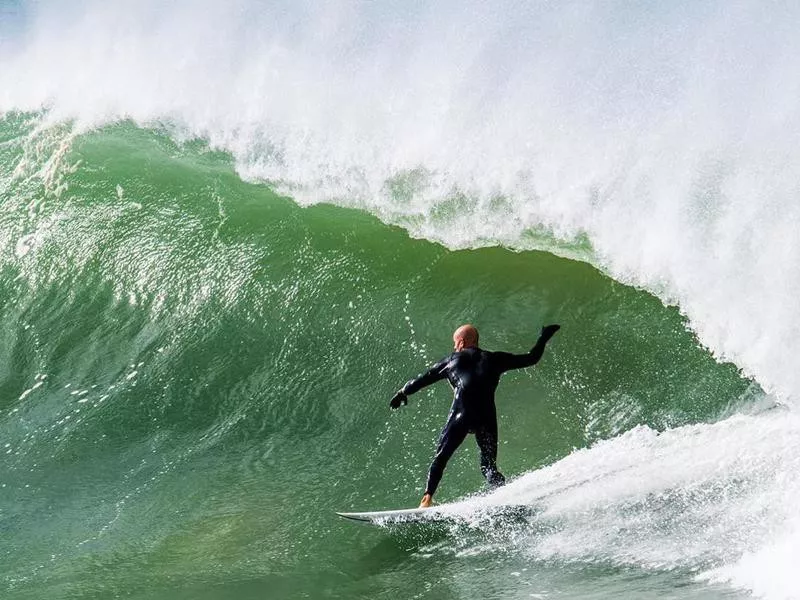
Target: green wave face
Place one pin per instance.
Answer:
(195, 371)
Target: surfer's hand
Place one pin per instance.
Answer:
(398, 399)
(549, 331)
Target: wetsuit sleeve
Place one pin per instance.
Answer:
(436, 373)
(505, 361)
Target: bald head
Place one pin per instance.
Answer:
(465, 336)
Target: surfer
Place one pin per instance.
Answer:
(474, 374)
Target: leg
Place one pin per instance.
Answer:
(454, 432)
(487, 442)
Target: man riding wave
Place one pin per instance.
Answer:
(474, 375)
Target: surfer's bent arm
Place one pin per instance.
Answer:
(505, 361)
(436, 373)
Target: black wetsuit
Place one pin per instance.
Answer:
(474, 375)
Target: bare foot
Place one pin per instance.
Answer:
(426, 501)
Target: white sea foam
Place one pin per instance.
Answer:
(717, 500)
(665, 132)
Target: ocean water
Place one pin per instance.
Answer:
(230, 231)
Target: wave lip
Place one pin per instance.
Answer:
(656, 133)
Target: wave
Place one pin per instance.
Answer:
(655, 132)
(157, 305)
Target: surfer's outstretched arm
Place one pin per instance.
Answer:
(505, 361)
(436, 373)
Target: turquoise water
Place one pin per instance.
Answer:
(196, 374)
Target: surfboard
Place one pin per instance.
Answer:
(393, 517)
(436, 514)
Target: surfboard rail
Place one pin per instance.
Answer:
(436, 514)
(391, 517)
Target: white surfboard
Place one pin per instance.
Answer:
(438, 514)
(394, 517)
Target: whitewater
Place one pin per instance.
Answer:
(657, 143)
